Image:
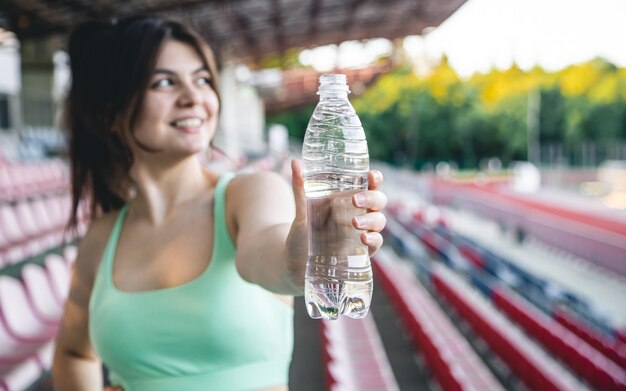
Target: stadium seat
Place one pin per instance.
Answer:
(530, 363)
(13, 351)
(53, 209)
(12, 232)
(21, 376)
(6, 185)
(611, 349)
(40, 293)
(31, 230)
(448, 355)
(69, 255)
(356, 359)
(581, 357)
(45, 356)
(51, 232)
(58, 275)
(18, 316)
(4, 249)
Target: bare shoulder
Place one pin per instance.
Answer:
(258, 182)
(90, 249)
(259, 198)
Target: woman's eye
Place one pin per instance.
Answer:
(204, 81)
(162, 83)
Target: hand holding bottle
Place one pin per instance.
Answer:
(367, 206)
(338, 278)
(372, 221)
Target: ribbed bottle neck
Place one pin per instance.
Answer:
(333, 86)
(334, 95)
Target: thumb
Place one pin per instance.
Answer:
(297, 183)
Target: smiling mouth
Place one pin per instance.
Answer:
(187, 123)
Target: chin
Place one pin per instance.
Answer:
(196, 148)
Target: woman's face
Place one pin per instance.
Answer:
(180, 109)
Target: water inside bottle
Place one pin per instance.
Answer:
(338, 277)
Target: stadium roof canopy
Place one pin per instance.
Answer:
(246, 30)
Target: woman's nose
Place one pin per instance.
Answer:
(189, 96)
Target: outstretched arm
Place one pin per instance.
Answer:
(271, 227)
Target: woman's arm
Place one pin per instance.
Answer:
(76, 366)
(271, 230)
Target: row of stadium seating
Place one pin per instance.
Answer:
(532, 365)
(20, 181)
(34, 226)
(581, 357)
(470, 257)
(36, 258)
(596, 237)
(589, 363)
(354, 356)
(527, 361)
(564, 306)
(31, 306)
(449, 357)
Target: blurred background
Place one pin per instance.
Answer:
(499, 125)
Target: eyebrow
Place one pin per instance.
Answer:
(170, 72)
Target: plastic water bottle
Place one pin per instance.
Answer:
(338, 279)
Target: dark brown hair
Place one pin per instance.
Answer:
(111, 65)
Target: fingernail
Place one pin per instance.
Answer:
(359, 199)
(360, 221)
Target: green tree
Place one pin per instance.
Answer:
(411, 120)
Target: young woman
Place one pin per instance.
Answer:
(184, 280)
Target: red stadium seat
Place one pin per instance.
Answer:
(531, 364)
(448, 355)
(355, 357)
(580, 356)
(611, 349)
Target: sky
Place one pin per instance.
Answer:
(550, 33)
(483, 34)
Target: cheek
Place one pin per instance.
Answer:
(151, 113)
(212, 104)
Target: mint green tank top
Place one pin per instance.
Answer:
(216, 332)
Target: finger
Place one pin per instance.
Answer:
(372, 200)
(374, 221)
(297, 184)
(374, 179)
(373, 241)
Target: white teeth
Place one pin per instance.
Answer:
(188, 123)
